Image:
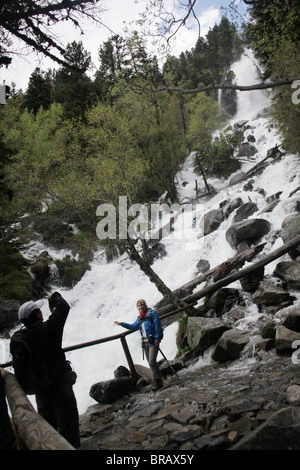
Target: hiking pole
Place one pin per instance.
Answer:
(168, 362)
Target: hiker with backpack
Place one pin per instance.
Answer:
(41, 368)
(148, 322)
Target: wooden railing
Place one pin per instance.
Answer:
(121, 336)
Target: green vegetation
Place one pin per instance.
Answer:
(274, 33)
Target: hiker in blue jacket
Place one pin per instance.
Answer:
(148, 322)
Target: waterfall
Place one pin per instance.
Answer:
(247, 72)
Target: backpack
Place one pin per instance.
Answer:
(161, 333)
(32, 375)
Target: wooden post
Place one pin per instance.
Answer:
(128, 357)
(7, 438)
(34, 431)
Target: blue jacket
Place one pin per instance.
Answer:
(152, 326)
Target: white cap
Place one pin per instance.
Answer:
(26, 309)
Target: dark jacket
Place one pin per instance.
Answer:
(45, 341)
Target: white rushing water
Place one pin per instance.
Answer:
(109, 291)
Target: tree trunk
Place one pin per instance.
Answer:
(151, 274)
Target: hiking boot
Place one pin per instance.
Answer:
(157, 384)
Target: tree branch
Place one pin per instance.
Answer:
(259, 86)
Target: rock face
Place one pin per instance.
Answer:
(244, 407)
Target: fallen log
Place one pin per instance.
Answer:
(272, 153)
(226, 267)
(34, 431)
(208, 290)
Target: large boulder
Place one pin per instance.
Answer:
(230, 345)
(284, 339)
(229, 207)
(290, 228)
(245, 211)
(289, 272)
(109, 391)
(249, 231)
(204, 332)
(211, 221)
(292, 320)
(246, 150)
(251, 281)
(270, 294)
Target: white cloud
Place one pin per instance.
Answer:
(187, 37)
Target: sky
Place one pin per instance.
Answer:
(119, 14)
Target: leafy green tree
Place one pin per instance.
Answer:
(274, 33)
(216, 156)
(206, 118)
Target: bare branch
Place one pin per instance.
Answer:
(259, 86)
(31, 21)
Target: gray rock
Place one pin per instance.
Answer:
(230, 345)
(231, 206)
(280, 432)
(284, 339)
(270, 294)
(245, 211)
(249, 231)
(211, 221)
(293, 394)
(289, 272)
(290, 228)
(204, 332)
(109, 391)
(292, 320)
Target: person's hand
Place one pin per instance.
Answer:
(117, 323)
(156, 343)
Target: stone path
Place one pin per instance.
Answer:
(213, 407)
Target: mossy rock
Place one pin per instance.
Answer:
(16, 284)
(71, 271)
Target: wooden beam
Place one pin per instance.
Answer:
(35, 432)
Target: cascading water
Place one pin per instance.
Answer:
(247, 72)
(109, 291)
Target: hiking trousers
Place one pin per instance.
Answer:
(58, 407)
(151, 355)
